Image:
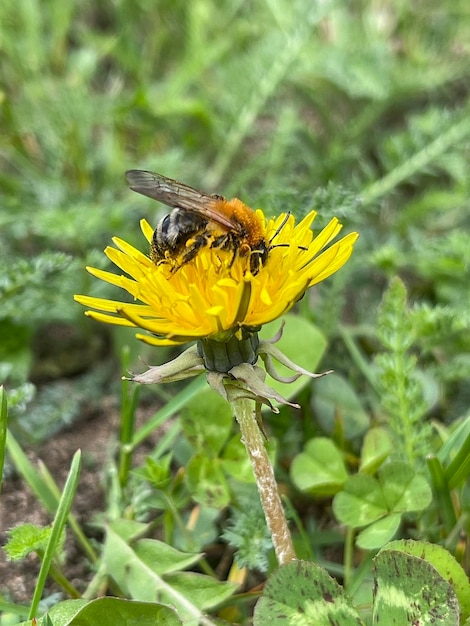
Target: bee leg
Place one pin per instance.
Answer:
(226, 242)
(220, 242)
(255, 262)
(234, 256)
(198, 242)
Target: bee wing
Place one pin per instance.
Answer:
(178, 195)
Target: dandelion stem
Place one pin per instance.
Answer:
(265, 480)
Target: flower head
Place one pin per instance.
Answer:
(219, 288)
(215, 295)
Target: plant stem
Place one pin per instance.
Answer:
(348, 557)
(128, 406)
(265, 480)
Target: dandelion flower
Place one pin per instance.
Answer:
(216, 296)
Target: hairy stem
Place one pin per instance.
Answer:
(265, 480)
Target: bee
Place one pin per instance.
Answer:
(199, 219)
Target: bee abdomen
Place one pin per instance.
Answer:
(174, 230)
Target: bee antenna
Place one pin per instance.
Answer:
(281, 226)
(286, 245)
(282, 245)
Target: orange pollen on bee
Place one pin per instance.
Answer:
(251, 228)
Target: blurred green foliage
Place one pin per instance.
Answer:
(359, 110)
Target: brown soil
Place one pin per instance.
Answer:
(95, 436)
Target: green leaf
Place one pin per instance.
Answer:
(379, 532)
(247, 532)
(203, 591)
(63, 613)
(128, 529)
(376, 447)
(444, 563)
(107, 611)
(303, 593)
(159, 556)
(365, 499)
(207, 421)
(336, 401)
(409, 590)
(320, 469)
(361, 502)
(403, 489)
(158, 473)
(301, 342)
(206, 481)
(26, 538)
(137, 572)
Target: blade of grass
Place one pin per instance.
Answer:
(168, 410)
(30, 474)
(58, 525)
(441, 492)
(165, 442)
(358, 358)
(74, 525)
(129, 399)
(455, 455)
(3, 430)
(459, 468)
(45, 489)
